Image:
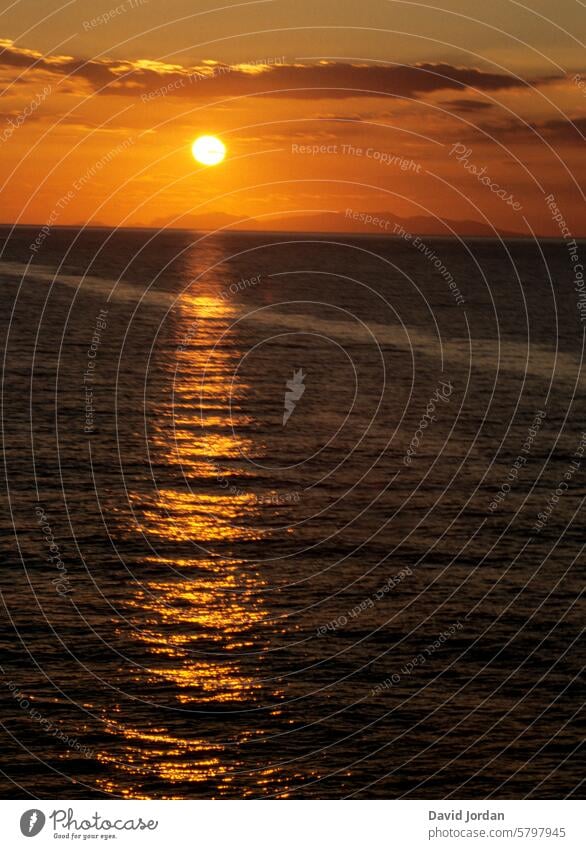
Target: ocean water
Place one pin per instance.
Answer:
(290, 516)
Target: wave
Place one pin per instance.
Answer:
(479, 353)
(109, 288)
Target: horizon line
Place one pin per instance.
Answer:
(348, 233)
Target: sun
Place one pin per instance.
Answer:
(208, 150)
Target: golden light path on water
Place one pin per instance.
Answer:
(193, 623)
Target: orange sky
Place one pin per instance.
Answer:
(96, 122)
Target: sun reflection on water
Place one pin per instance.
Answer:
(198, 611)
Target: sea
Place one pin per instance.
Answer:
(290, 515)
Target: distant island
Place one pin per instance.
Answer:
(345, 221)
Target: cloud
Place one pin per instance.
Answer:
(463, 105)
(354, 117)
(565, 130)
(557, 130)
(340, 80)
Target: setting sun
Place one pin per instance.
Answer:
(208, 150)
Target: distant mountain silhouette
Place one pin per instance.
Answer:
(336, 222)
